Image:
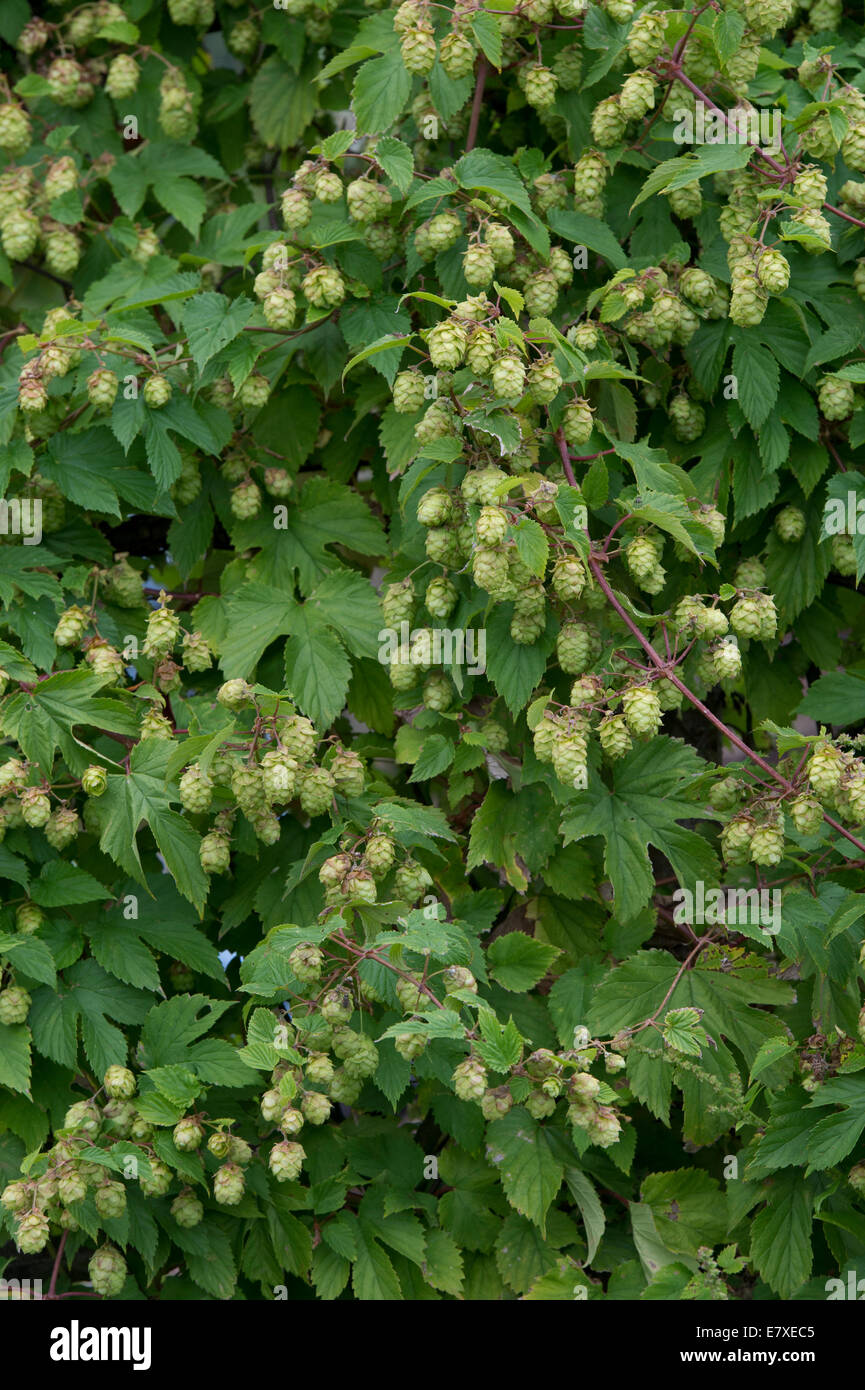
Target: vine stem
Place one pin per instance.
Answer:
(701, 945)
(676, 72)
(665, 666)
(477, 103)
(56, 1270)
(830, 207)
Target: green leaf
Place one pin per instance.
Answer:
(836, 698)
(282, 101)
(61, 885)
(644, 806)
(514, 668)
(15, 1057)
(688, 1209)
(518, 961)
(502, 1045)
(140, 798)
(533, 547)
(256, 616)
(531, 1173)
(583, 1192)
(397, 161)
(781, 1235)
(381, 90)
(372, 1276)
(443, 1264)
(583, 230)
(487, 32)
(317, 670)
(759, 379)
(727, 32)
(211, 321)
(688, 168)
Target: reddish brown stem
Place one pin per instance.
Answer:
(56, 1270)
(477, 103)
(722, 728)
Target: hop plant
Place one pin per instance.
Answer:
(767, 845)
(824, 770)
(835, 397)
(31, 1234)
(14, 1005)
(646, 38)
(642, 711)
(806, 814)
(790, 524)
(102, 387)
(470, 1079)
(577, 422)
(285, 1160)
(107, 1270)
(119, 1083)
(447, 344)
(408, 392)
(418, 48)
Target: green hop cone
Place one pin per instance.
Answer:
(107, 1270)
(642, 711)
(824, 770)
(285, 1160)
(609, 122)
(637, 96)
(110, 1199)
(408, 392)
(767, 845)
(646, 38)
(573, 646)
(736, 840)
(186, 1209)
(687, 418)
(577, 423)
(410, 1045)
(14, 1005)
(727, 660)
(773, 272)
(316, 1108)
(31, 1233)
(569, 754)
(306, 962)
(196, 790)
(188, 1134)
(215, 852)
(614, 736)
(447, 344)
(478, 266)
(835, 397)
(411, 881)
(790, 524)
(457, 56)
(806, 814)
(228, 1184)
(569, 578)
(418, 48)
(119, 1083)
(539, 86)
(470, 1079)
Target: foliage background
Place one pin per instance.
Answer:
(737, 1119)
